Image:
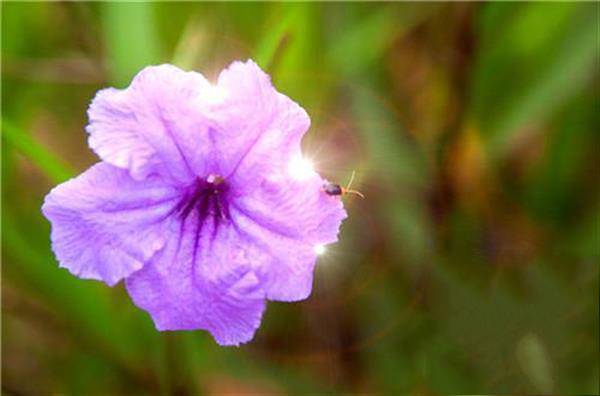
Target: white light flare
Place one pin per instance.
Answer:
(210, 95)
(320, 250)
(213, 94)
(301, 168)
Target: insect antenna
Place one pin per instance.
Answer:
(347, 189)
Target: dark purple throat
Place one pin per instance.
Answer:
(202, 203)
(205, 200)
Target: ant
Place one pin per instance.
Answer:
(337, 190)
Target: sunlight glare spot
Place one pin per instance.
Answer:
(301, 168)
(319, 249)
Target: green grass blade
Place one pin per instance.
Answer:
(52, 166)
(131, 38)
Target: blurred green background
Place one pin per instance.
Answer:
(471, 267)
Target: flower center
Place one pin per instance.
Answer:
(207, 197)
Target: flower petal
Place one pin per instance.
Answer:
(106, 225)
(284, 220)
(201, 280)
(154, 125)
(258, 128)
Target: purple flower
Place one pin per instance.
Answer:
(194, 203)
